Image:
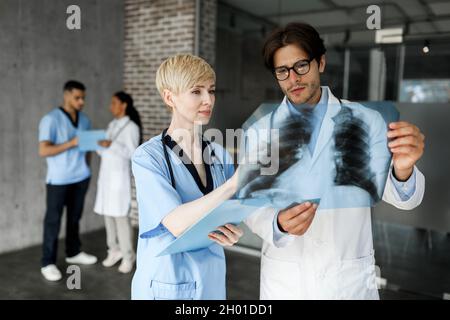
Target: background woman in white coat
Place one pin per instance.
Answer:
(114, 180)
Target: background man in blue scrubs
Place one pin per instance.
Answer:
(67, 178)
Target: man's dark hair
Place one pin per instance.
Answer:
(72, 84)
(300, 34)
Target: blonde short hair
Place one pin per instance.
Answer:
(183, 71)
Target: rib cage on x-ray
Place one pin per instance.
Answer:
(352, 154)
(294, 133)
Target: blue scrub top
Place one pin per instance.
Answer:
(198, 274)
(69, 166)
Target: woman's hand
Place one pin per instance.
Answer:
(230, 235)
(104, 143)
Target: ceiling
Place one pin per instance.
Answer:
(417, 17)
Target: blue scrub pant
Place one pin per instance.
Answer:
(72, 197)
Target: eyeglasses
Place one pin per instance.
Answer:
(301, 67)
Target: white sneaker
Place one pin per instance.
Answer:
(112, 258)
(51, 273)
(126, 266)
(82, 258)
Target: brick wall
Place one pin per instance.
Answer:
(155, 30)
(208, 30)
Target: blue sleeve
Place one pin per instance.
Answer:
(277, 233)
(228, 165)
(47, 129)
(155, 195)
(406, 188)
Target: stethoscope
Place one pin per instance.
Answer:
(215, 164)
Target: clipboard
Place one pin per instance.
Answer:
(88, 139)
(230, 211)
(196, 237)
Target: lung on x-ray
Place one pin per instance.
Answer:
(348, 167)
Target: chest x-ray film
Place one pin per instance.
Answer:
(347, 167)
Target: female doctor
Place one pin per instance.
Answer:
(114, 181)
(180, 177)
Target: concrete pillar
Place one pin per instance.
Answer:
(38, 54)
(377, 75)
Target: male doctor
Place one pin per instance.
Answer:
(326, 254)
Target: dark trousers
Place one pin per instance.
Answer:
(72, 197)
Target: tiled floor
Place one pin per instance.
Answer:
(411, 273)
(413, 261)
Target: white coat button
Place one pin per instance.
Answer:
(318, 242)
(320, 275)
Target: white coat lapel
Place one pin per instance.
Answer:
(327, 128)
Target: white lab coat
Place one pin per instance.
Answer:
(114, 178)
(334, 259)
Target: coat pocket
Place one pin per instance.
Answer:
(280, 279)
(169, 291)
(357, 278)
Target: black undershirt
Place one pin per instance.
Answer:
(74, 123)
(190, 166)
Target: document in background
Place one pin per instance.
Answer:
(88, 139)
